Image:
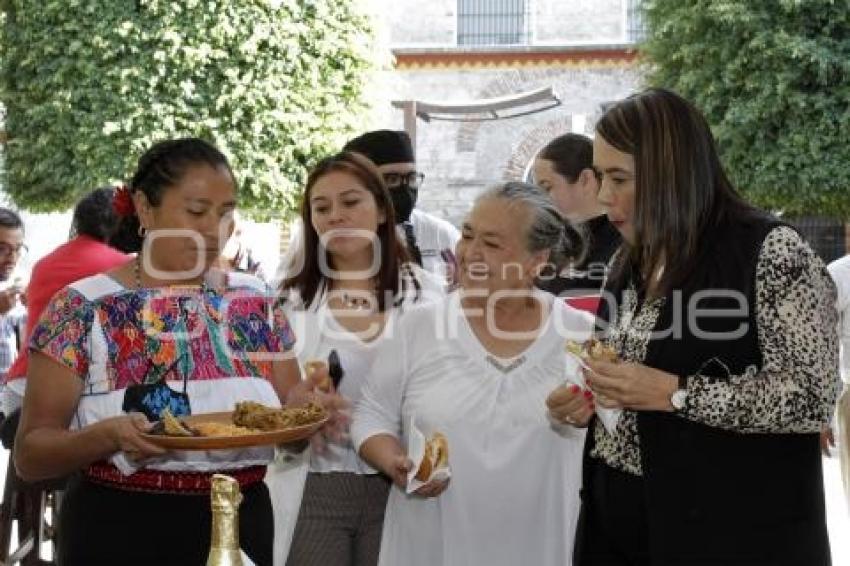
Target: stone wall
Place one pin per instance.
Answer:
(461, 158)
(578, 21)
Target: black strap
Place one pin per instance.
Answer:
(412, 247)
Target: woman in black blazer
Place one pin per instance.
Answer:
(725, 325)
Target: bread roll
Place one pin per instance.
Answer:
(436, 456)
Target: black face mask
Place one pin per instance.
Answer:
(404, 199)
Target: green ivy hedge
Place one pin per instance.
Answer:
(89, 84)
(774, 81)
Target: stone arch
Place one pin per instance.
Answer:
(532, 142)
(508, 82)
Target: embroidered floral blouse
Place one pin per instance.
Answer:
(199, 333)
(219, 346)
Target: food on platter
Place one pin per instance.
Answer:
(172, 426)
(249, 417)
(254, 415)
(436, 457)
(207, 428)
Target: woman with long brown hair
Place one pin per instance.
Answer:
(354, 281)
(724, 322)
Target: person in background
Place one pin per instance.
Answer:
(564, 168)
(237, 255)
(344, 316)
(477, 367)
(87, 252)
(430, 240)
(724, 322)
(840, 272)
(162, 331)
(11, 312)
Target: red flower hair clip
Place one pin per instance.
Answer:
(122, 202)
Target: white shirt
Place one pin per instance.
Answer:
(840, 272)
(317, 332)
(433, 236)
(514, 493)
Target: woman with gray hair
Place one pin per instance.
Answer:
(477, 368)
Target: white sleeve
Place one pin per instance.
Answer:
(379, 409)
(839, 270)
(449, 235)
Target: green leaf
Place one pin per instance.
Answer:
(774, 82)
(88, 85)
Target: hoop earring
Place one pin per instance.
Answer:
(142, 231)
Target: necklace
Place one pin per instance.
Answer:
(137, 270)
(358, 302)
(359, 299)
(137, 276)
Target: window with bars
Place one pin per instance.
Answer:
(635, 28)
(493, 22)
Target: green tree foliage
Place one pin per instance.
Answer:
(88, 85)
(773, 78)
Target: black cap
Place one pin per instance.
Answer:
(383, 146)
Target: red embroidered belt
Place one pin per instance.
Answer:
(158, 481)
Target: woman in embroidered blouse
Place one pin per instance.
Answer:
(724, 320)
(107, 342)
(477, 367)
(337, 305)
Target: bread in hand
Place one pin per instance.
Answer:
(436, 456)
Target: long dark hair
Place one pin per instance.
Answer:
(160, 168)
(393, 254)
(681, 189)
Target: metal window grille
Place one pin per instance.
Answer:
(635, 28)
(825, 235)
(493, 22)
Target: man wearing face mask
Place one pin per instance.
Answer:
(430, 240)
(11, 312)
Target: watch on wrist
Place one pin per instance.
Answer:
(679, 398)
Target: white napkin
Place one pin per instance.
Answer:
(126, 466)
(416, 452)
(609, 417)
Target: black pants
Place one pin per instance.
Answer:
(612, 526)
(102, 525)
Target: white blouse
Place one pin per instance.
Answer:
(513, 498)
(317, 333)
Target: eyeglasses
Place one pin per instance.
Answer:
(6, 250)
(413, 179)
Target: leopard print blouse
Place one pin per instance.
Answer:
(795, 390)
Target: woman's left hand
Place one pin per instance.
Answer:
(631, 386)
